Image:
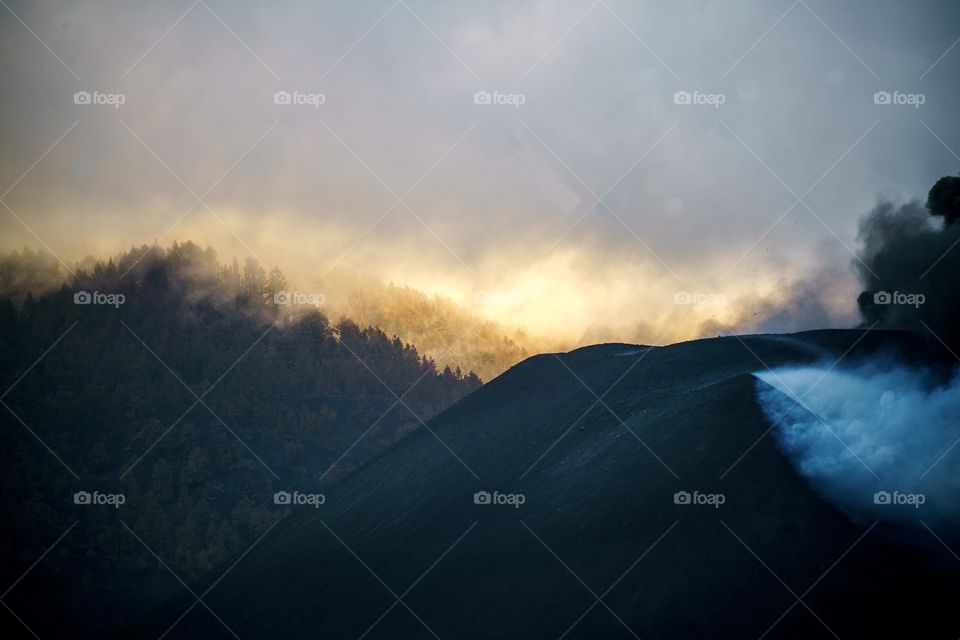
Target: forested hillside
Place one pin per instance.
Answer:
(193, 390)
(449, 332)
(452, 334)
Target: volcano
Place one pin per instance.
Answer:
(616, 491)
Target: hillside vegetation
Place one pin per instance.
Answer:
(184, 387)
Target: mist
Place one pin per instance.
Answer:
(877, 440)
(567, 221)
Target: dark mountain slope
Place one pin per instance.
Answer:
(599, 519)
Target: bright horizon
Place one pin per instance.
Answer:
(582, 208)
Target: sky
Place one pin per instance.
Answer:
(590, 170)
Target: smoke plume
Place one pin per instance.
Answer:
(878, 440)
(909, 264)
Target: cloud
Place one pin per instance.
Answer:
(598, 163)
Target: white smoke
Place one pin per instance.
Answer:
(880, 440)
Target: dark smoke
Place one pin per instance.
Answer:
(909, 264)
(877, 438)
(944, 199)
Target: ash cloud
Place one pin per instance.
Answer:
(909, 262)
(878, 439)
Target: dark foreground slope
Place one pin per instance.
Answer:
(598, 549)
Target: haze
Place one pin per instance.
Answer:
(591, 204)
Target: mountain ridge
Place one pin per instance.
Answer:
(598, 510)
